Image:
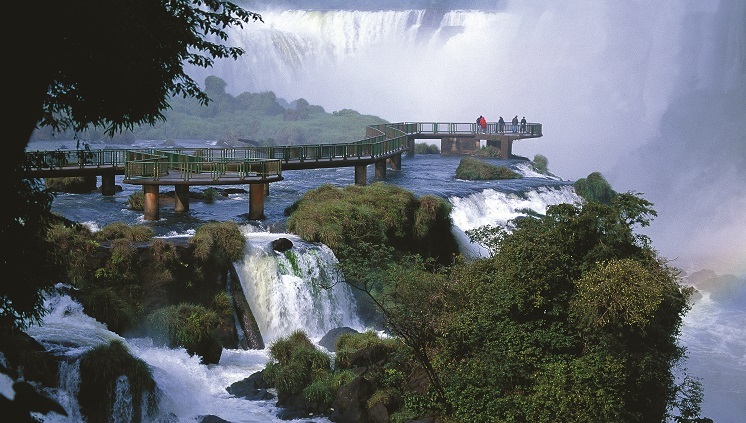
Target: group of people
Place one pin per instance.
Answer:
(482, 124)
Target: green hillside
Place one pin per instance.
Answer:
(259, 118)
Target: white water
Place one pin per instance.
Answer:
(650, 95)
(298, 289)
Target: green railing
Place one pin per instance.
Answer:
(156, 166)
(381, 140)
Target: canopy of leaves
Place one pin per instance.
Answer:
(594, 187)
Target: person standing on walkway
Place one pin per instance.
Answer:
(523, 124)
(483, 124)
(501, 125)
(515, 123)
(479, 123)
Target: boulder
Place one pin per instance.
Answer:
(329, 340)
(282, 244)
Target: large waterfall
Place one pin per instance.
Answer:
(651, 95)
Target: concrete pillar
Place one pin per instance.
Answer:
(361, 175)
(108, 187)
(256, 201)
(380, 169)
(395, 162)
(410, 147)
(182, 198)
(150, 209)
(506, 148)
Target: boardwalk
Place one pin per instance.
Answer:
(259, 166)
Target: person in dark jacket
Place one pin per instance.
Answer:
(515, 123)
(501, 125)
(523, 124)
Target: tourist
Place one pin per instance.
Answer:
(501, 125)
(515, 123)
(523, 124)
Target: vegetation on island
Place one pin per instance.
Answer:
(425, 148)
(473, 169)
(574, 317)
(594, 187)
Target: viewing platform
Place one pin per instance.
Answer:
(259, 166)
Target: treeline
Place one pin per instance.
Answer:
(255, 118)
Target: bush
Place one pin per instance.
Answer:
(219, 240)
(193, 327)
(425, 148)
(73, 184)
(295, 364)
(100, 369)
(136, 201)
(120, 230)
(541, 164)
(595, 188)
(474, 169)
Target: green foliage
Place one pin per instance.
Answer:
(75, 246)
(120, 230)
(425, 148)
(73, 184)
(488, 236)
(574, 318)
(193, 327)
(210, 195)
(136, 201)
(541, 164)
(100, 368)
(107, 306)
(218, 241)
(488, 151)
(295, 364)
(349, 219)
(470, 168)
(594, 187)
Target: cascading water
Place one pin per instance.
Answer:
(298, 289)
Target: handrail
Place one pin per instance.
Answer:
(382, 140)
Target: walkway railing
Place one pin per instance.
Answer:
(383, 140)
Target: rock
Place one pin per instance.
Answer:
(329, 340)
(252, 388)
(211, 419)
(282, 244)
(350, 405)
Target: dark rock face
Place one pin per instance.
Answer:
(350, 404)
(212, 419)
(282, 244)
(329, 340)
(252, 388)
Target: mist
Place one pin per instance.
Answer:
(650, 95)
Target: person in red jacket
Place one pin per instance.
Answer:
(483, 124)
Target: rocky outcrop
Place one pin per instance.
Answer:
(329, 340)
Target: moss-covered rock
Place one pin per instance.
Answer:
(474, 169)
(110, 370)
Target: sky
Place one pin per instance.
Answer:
(653, 96)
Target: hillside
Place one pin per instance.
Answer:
(249, 118)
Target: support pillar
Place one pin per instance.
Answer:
(182, 198)
(266, 189)
(410, 147)
(361, 175)
(506, 148)
(108, 187)
(380, 169)
(395, 162)
(150, 208)
(256, 201)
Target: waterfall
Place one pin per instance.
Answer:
(495, 208)
(298, 289)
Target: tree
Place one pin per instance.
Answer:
(103, 63)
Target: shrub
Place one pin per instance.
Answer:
(474, 169)
(136, 201)
(488, 151)
(73, 184)
(210, 195)
(541, 164)
(295, 364)
(120, 230)
(425, 148)
(193, 327)
(219, 240)
(100, 368)
(595, 188)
